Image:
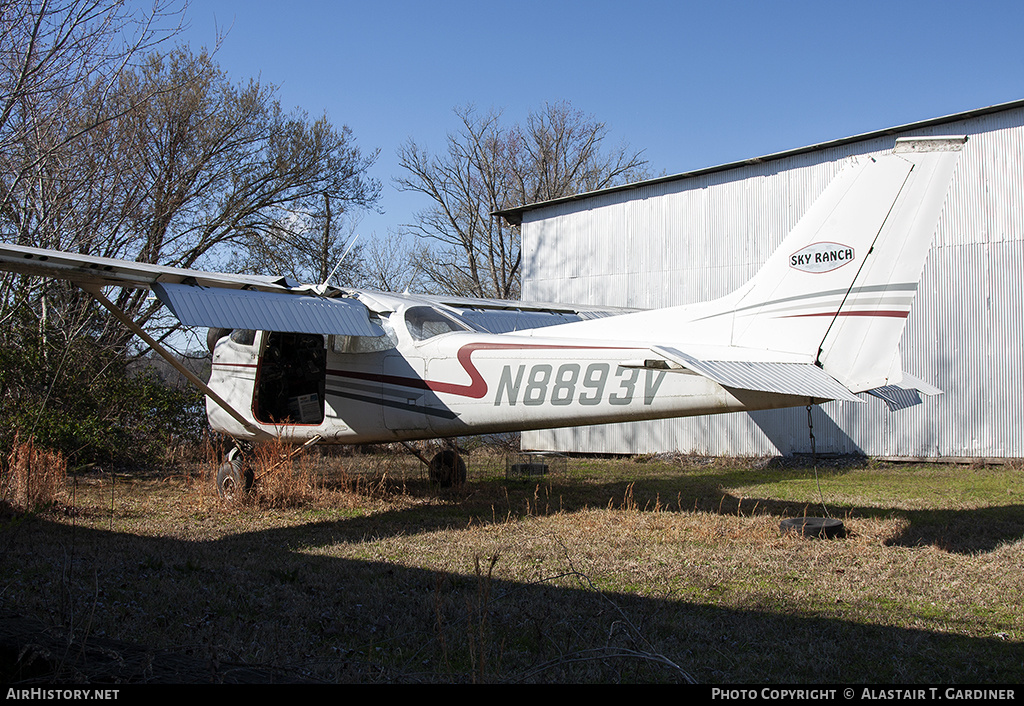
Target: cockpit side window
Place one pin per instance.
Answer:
(366, 344)
(426, 322)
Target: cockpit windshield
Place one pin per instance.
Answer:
(426, 322)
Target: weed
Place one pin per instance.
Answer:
(283, 478)
(285, 575)
(33, 478)
(478, 614)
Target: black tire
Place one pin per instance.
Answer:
(825, 528)
(233, 480)
(447, 469)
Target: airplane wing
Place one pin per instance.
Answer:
(108, 272)
(507, 316)
(201, 298)
(222, 300)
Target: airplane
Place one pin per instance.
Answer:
(306, 364)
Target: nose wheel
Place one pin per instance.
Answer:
(234, 478)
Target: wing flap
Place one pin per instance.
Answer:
(268, 311)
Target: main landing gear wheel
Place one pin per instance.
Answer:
(447, 469)
(234, 479)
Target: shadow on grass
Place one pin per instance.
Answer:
(962, 531)
(702, 485)
(269, 606)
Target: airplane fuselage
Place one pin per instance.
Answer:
(454, 383)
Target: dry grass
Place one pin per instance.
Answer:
(32, 478)
(352, 568)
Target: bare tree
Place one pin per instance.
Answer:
(202, 173)
(157, 158)
(317, 246)
(236, 183)
(51, 53)
(566, 154)
(392, 264)
(559, 152)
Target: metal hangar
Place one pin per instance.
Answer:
(698, 235)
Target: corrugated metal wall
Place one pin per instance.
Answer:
(700, 237)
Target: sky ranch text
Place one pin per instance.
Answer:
(821, 257)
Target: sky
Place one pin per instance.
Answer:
(691, 84)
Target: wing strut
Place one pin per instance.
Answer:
(166, 355)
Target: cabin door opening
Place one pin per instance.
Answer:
(291, 378)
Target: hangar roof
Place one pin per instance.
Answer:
(515, 215)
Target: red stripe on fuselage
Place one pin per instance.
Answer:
(891, 314)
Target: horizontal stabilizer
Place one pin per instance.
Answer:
(268, 311)
(916, 383)
(906, 394)
(801, 379)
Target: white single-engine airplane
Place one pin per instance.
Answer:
(820, 321)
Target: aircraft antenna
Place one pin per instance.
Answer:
(348, 247)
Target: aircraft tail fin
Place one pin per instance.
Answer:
(835, 294)
(863, 338)
(855, 256)
(838, 290)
